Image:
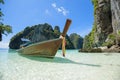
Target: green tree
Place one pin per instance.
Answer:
(4, 29)
(2, 1)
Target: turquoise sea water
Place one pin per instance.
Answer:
(75, 66)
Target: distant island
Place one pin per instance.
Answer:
(43, 32)
(105, 34)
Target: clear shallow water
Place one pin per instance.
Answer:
(75, 66)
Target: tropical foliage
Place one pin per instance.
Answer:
(110, 41)
(95, 3)
(4, 29)
(89, 39)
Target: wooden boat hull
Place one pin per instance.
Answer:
(45, 48)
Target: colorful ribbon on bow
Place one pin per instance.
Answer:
(63, 45)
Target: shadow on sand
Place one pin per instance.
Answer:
(57, 60)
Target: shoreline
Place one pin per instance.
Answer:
(112, 49)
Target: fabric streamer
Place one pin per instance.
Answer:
(63, 46)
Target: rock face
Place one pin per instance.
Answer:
(37, 33)
(115, 10)
(76, 40)
(106, 22)
(103, 21)
(43, 32)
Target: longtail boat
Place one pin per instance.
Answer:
(46, 48)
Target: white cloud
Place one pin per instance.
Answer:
(54, 5)
(60, 9)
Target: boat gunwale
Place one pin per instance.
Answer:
(42, 42)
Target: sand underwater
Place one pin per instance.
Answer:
(75, 66)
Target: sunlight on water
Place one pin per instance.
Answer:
(75, 66)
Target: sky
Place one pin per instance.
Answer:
(22, 13)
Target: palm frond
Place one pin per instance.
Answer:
(5, 29)
(1, 1)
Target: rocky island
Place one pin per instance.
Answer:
(43, 32)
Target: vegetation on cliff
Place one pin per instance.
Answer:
(111, 40)
(95, 3)
(89, 39)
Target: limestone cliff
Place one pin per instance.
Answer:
(106, 22)
(77, 40)
(102, 21)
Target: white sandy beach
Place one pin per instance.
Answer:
(75, 66)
